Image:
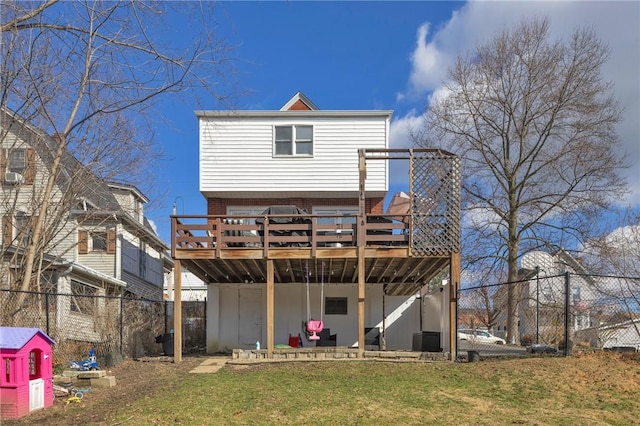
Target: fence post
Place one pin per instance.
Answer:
(121, 325)
(458, 294)
(567, 313)
(47, 311)
(166, 317)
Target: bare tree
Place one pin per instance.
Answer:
(617, 252)
(92, 73)
(535, 125)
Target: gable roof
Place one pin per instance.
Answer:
(17, 337)
(299, 102)
(73, 174)
(72, 171)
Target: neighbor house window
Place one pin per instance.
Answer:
(17, 165)
(23, 228)
(293, 140)
(83, 298)
(99, 241)
(17, 160)
(335, 306)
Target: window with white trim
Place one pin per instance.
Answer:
(23, 229)
(99, 241)
(17, 160)
(83, 299)
(294, 140)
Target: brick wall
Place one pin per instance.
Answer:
(299, 106)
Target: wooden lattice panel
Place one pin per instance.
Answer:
(435, 187)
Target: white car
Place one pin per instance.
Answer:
(479, 336)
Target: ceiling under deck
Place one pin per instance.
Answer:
(402, 276)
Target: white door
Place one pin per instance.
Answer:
(36, 394)
(250, 317)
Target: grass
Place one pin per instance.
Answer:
(594, 389)
(538, 391)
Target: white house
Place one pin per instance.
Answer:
(97, 239)
(295, 229)
(193, 288)
(543, 298)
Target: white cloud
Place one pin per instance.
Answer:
(616, 23)
(401, 129)
(426, 73)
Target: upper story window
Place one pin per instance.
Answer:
(98, 241)
(23, 229)
(17, 230)
(17, 160)
(103, 241)
(17, 165)
(293, 141)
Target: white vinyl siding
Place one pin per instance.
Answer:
(99, 261)
(236, 155)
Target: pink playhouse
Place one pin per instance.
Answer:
(26, 383)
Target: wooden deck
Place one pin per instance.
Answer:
(401, 252)
(234, 249)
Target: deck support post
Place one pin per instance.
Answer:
(362, 241)
(361, 298)
(270, 308)
(454, 286)
(177, 311)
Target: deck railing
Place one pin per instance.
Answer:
(194, 232)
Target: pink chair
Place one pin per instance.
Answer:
(313, 327)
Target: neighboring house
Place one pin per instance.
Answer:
(193, 288)
(296, 229)
(619, 336)
(543, 296)
(98, 241)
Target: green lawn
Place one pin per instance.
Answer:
(586, 390)
(551, 391)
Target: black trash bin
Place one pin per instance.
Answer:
(167, 343)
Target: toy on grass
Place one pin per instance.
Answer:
(85, 365)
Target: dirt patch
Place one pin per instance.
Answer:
(135, 379)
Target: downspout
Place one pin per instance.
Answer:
(118, 255)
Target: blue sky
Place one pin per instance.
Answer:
(375, 55)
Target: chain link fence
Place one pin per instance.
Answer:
(116, 327)
(590, 312)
